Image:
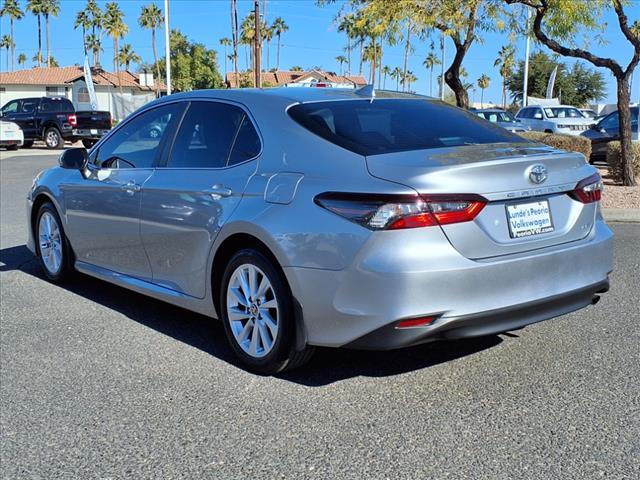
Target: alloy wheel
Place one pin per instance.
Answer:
(50, 243)
(52, 139)
(252, 310)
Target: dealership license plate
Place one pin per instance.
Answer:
(527, 219)
(8, 134)
(94, 131)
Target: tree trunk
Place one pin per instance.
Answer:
(13, 47)
(46, 27)
(384, 82)
(278, 55)
(349, 54)
(361, 54)
(407, 44)
(155, 60)
(481, 98)
(452, 76)
(374, 61)
(39, 42)
(624, 98)
(431, 83)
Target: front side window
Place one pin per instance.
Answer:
(611, 122)
(11, 107)
(137, 143)
(206, 135)
(396, 125)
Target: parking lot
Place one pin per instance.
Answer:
(100, 382)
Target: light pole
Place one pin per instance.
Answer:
(442, 68)
(525, 99)
(167, 49)
(256, 48)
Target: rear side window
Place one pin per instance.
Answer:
(396, 125)
(247, 144)
(56, 105)
(206, 135)
(29, 105)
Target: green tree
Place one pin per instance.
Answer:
(151, 18)
(116, 28)
(341, 59)
(506, 61)
(346, 25)
(96, 17)
(266, 35)
(386, 71)
(279, 27)
(22, 59)
(226, 42)
(83, 20)
(193, 66)
(36, 7)
(126, 56)
(94, 45)
(396, 74)
(50, 8)
(11, 9)
(6, 42)
(483, 82)
(578, 85)
(430, 63)
(556, 24)
(296, 68)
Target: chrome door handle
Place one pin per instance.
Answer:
(131, 187)
(220, 191)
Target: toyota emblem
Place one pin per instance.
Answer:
(538, 174)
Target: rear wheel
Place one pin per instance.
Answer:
(51, 244)
(88, 143)
(27, 144)
(12, 147)
(53, 138)
(258, 316)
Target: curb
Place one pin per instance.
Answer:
(627, 215)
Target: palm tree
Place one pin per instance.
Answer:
(83, 20)
(407, 79)
(151, 17)
(38, 58)
(94, 46)
(234, 36)
(386, 70)
(347, 25)
(483, 82)
(116, 29)
(396, 74)
(22, 59)
(126, 56)
(430, 63)
(296, 68)
(97, 22)
(341, 59)
(49, 8)
(6, 42)
(11, 9)
(36, 7)
(225, 42)
(247, 34)
(266, 34)
(507, 61)
(279, 27)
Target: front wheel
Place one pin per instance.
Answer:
(53, 139)
(258, 315)
(51, 244)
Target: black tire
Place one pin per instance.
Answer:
(283, 354)
(88, 143)
(27, 144)
(66, 263)
(53, 139)
(12, 147)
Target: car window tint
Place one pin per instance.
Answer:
(11, 107)
(247, 144)
(524, 113)
(29, 105)
(136, 143)
(396, 125)
(610, 122)
(205, 136)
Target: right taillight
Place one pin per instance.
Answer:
(588, 190)
(394, 212)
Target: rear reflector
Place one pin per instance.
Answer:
(588, 190)
(394, 212)
(415, 322)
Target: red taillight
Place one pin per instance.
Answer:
(415, 322)
(72, 119)
(588, 190)
(394, 212)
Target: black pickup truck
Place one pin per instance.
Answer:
(54, 120)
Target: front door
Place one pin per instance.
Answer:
(103, 210)
(185, 204)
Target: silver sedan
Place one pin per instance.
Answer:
(327, 217)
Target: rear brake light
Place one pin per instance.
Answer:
(394, 212)
(415, 322)
(588, 190)
(72, 119)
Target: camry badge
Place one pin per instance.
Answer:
(538, 174)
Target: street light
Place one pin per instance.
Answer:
(167, 49)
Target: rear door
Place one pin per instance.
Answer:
(185, 204)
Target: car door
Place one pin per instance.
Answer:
(26, 117)
(186, 202)
(523, 116)
(103, 210)
(607, 130)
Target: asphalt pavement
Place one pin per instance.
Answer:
(97, 382)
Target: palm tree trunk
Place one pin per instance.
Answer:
(482, 98)
(406, 53)
(349, 55)
(39, 42)
(268, 44)
(13, 47)
(384, 82)
(155, 60)
(380, 65)
(361, 54)
(46, 26)
(278, 55)
(431, 82)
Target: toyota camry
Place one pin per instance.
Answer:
(327, 217)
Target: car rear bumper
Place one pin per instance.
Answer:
(90, 134)
(407, 275)
(10, 143)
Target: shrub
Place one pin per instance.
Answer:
(614, 159)
(563, 142)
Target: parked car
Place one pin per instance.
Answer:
(11, 136)
(588, 113)
(563, 119)
(54, 120)
(503, 119)
(608, 130)
(303, 217)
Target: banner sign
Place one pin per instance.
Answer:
(89, 81)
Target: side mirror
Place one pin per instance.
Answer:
(74, 159)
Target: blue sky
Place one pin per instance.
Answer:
(312, 39)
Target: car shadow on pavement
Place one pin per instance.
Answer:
(327, 366)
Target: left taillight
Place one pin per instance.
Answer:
(588, 190)
(72, 119)
(394, 212)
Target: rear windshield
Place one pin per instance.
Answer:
(396, 125)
